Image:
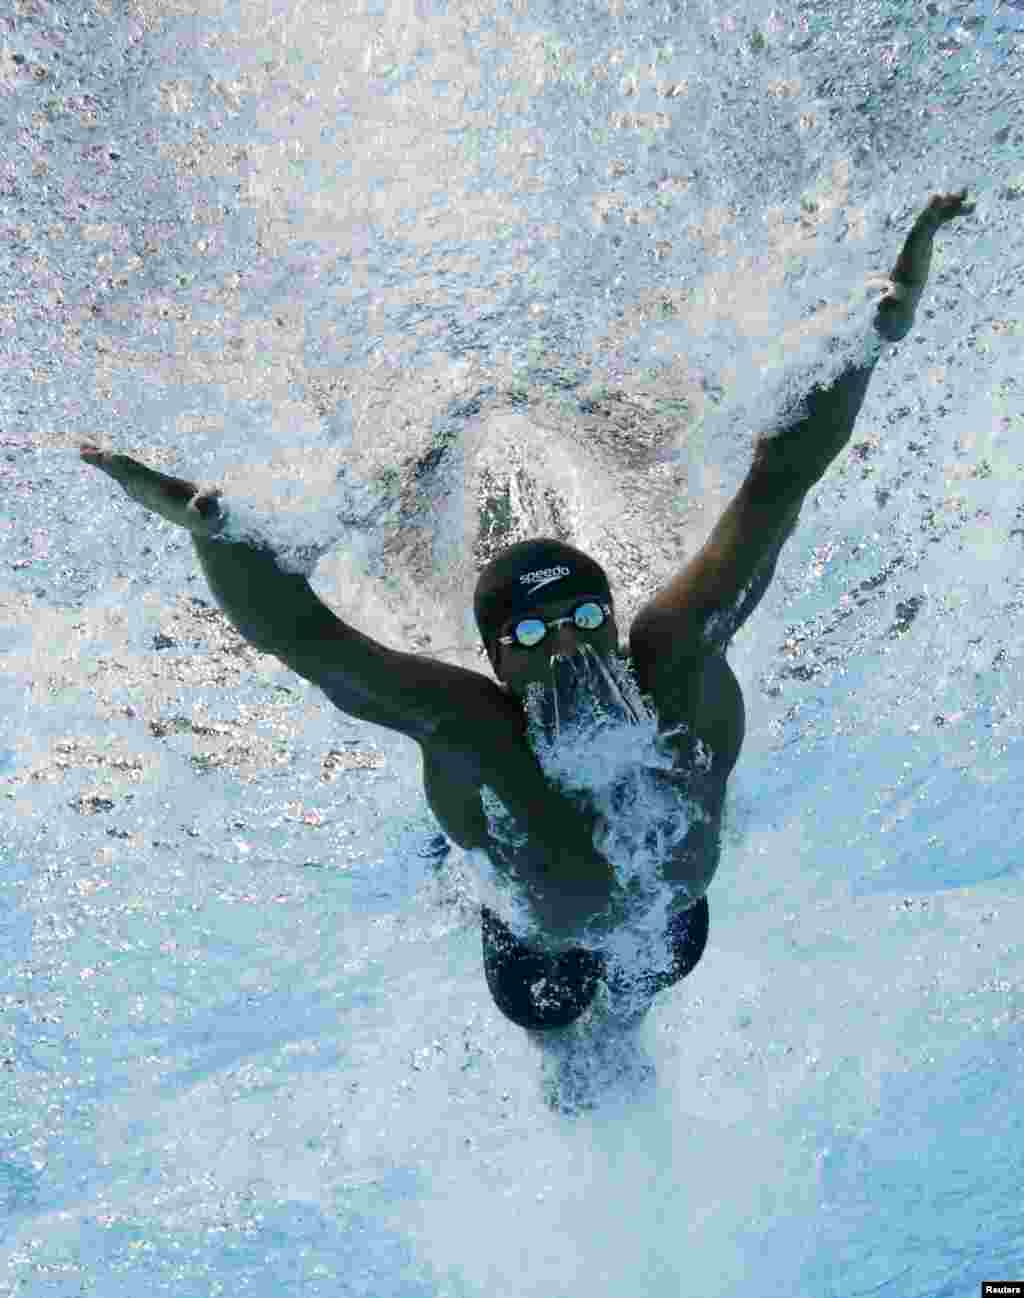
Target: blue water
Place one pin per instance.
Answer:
(409, 281)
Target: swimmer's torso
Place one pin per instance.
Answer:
(555, 842)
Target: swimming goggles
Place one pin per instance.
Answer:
(530, 631)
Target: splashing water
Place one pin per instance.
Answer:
(471, 273)
(598, 737)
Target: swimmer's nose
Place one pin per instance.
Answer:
(564, 641)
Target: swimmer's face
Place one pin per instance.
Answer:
(518, 667)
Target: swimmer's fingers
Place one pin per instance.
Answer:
(179, 501)
(946, 207)
(895, 314)
(878, 285)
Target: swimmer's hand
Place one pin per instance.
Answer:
(180, 502)
(905, 282)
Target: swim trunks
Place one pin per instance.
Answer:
(537, 990)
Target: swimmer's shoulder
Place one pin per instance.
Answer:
(703, 696)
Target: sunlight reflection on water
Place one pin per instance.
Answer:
(251, 1050)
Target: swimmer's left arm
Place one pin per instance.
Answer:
(700, 609)
(789, 462)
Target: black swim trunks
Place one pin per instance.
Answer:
(537, 990)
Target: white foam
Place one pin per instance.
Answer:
(598, 737)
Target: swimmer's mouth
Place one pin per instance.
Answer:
(578, 680)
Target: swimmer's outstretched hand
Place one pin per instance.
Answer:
(905, 282)
(180, 502)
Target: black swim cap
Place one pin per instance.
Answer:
(528, 573)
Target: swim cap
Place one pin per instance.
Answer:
(528, 573)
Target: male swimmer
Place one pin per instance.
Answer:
(538, 604)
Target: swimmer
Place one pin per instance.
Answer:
(537, 604)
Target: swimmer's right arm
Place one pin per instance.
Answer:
(175, 499)
(269, 606)
(279, 613)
